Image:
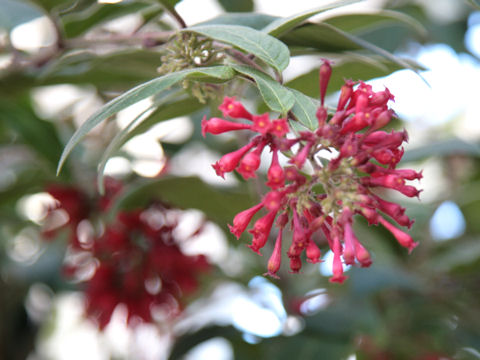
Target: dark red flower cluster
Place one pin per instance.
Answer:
(135, 261)
(327, 197)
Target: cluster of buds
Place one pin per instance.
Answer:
(135, 260)
(325, 199)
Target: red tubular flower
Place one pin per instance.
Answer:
(242, 219)
(218, 126)
(230, 161)
(234, 109)
(335, 189)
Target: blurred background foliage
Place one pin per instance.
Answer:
(419, 306)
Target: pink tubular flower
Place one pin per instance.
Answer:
(242, 219)
(234, 109)
(230, 161)
(403, 238)
(261, 231)
(218, 126)
(249, 164)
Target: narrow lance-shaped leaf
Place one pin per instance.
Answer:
(277, 97)
(280, 26)
(137, 94)
(272, 51)
(115, 144)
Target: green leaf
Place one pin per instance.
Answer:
(444, 147)
(272, 51)
(361, 23)
(139, 93)
(77, 23)
(219, 205)
(461, 254)
(281, 26)
(253, 20)
(16, 12)
(237, 6)
(305, 109)
(277, 97)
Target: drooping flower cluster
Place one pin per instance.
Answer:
(325, 199)
(136, 259)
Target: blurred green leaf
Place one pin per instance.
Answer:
(444, 147)
(277, 97)
(219, 204)
(360, 23)
(114, 71)
(305, 109)
(237, 6)
(77, 23)
(16, 12)
(474, 3)
(253, 20)
(459, 253)
(267, 48)
(280, 26)
(139, 93)
(39, 134)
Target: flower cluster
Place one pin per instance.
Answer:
(324, 199)
(136, 259)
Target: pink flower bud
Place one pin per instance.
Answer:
(276, 258)
(275, 175)
(324, 77)
(295, 264)
(313, 253)
(337, 267)
(321, 116)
